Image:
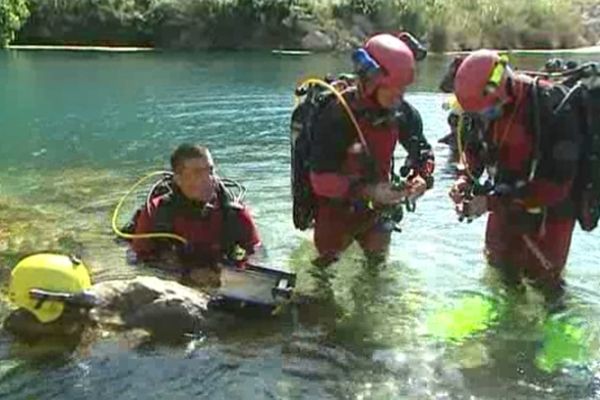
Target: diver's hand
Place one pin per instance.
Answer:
(416, 187)
(384, 194)
(458, 191)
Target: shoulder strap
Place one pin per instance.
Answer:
(556, 126)
(414, 142)
(537, 130)
(164, 212)
(230, 208)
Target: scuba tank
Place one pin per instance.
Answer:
(312, 98)
(588, 181)
(580, 96)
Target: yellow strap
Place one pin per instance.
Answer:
(498, 71)
(153, 235)
(344, 104)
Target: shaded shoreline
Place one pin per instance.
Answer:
(279, 52)
(112, 49)
(577, 50)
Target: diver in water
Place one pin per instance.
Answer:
(198, 209)
(454, 116)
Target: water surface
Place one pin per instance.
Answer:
(79, 128)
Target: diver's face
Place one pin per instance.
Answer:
(196, 179)
(388, 97)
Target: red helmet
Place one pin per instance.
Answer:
(473, 83)
(394, 57)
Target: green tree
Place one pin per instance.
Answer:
(13, 14)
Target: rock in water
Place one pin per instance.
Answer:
(164, 308)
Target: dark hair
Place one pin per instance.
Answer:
(185, 152)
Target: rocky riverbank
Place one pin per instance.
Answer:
(591, 23)
(307, 25)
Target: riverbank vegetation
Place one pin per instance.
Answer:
(312, 24)
(13, 13)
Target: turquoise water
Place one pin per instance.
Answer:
(77, 129)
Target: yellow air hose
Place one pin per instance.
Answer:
(344, 104)
(153, 235)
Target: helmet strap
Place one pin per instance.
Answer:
(498, 72)
(510, 88)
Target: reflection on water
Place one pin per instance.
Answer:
(79, 129)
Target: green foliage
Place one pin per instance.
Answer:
(445, 24)
(172, 23)
(12, 15)
(87, 22)
(477, 23)
(236, 23)
(503, 23)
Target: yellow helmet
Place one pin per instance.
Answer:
(49, 272)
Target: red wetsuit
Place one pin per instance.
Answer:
(531, 221)
(212, 232)
(340, 167)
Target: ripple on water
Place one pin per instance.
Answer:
(369, 342)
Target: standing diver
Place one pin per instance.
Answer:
(343, 142)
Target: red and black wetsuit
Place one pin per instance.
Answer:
(211, 231)
(340, 167)
(531, 221)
